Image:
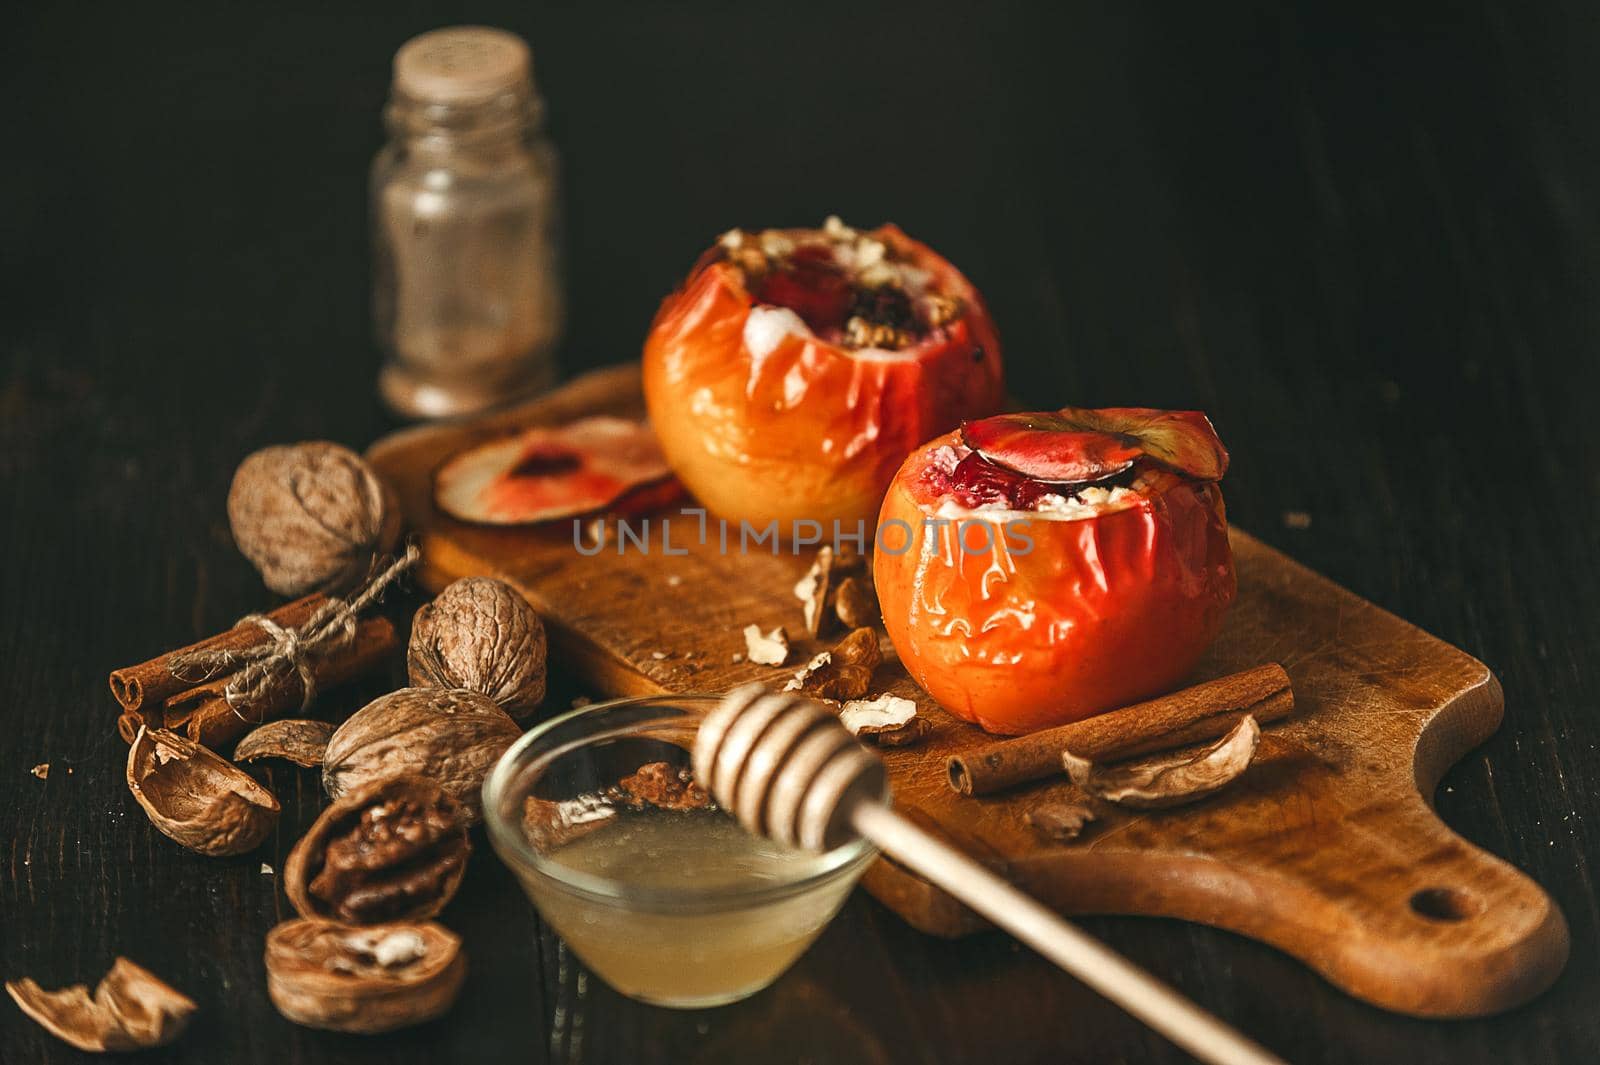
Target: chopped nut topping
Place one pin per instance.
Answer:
(936, 310)
(835, 228)
(864, 334)
(892, 304)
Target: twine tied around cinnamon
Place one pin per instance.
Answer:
(255, 670)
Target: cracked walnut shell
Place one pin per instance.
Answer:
(480, 634)
(197, 797)
(365, 980)
(393, 850)
(131, 1009)
(311, 516)
(450, 737)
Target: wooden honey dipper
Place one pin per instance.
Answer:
(788, 770)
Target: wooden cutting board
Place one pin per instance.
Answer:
(1327, 847)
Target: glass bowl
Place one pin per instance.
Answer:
(678, 908)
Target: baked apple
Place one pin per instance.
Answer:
(1034, 569)
(796, 368)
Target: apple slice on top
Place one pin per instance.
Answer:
(1078, 446)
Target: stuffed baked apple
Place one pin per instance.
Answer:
(1035, 569)
(796, 368)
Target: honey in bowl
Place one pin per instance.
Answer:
(671, 956)
(662, 895)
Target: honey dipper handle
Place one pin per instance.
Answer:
(1102, 968)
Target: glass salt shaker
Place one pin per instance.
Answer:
(466, 296)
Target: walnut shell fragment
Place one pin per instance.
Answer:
(292, 739)
(843, 673)
(365, 980)
(196, 797)
(1060, 822)
(1171, 780)
(392, 850)
(480, 634)
(311, 516)
(451, 737)
(131, 1009)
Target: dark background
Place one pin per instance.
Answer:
(1366, 243)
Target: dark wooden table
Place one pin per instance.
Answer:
(1368, 245)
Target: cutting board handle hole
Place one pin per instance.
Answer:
(1445, 904)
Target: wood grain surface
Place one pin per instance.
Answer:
(1327, 848)
(1365, 240)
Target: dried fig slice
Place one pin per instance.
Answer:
(1079, 446)
(1172, 780)
(392, 850)
(546, 473)
(452, 737)
(364, 980)
(131, 1009)
(292, 739)
(197, 797)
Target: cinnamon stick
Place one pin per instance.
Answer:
(152, 682)
(1191, 715)
(203, 714)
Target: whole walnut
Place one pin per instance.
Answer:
(479, 634)
(311, 516)
(450, 737)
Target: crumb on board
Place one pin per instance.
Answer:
(42, 770)
(766, 649)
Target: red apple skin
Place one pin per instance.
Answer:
(1102, 612)
(810, 431)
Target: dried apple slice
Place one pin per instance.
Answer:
(1079, 446)
(548, 473)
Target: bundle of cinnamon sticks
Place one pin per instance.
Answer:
(158, 695)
